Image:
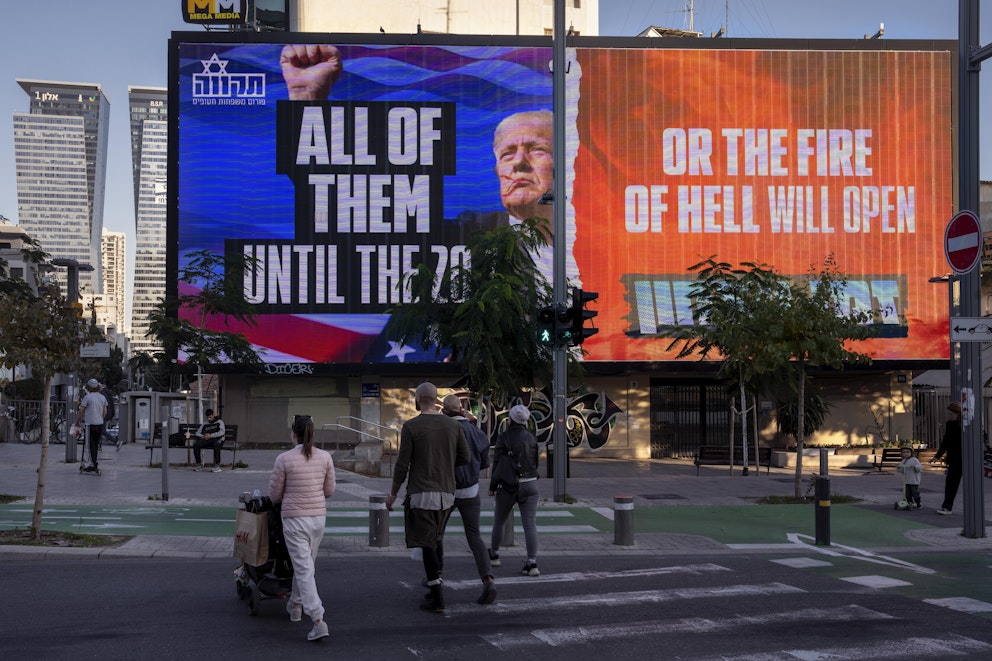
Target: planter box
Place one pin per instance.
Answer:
(811, 459)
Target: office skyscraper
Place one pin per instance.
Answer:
(114, 254)
(149, 144)
(60, 151)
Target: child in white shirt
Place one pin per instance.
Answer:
(911, 468)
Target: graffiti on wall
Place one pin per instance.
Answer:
(589, 416)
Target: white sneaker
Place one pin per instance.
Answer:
(197, 468)
(295, 611)
(215, 469)
(943, 511)
(319, 631)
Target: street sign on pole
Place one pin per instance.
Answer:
(971, 329)
(963, 242)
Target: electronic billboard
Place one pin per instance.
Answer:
(339, 162)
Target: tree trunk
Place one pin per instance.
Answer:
(39, 494)
(740, 377)
(800, 428)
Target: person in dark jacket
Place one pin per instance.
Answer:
(950, 446)
(468, 502)
(517, 444)
(210, 435)
(431, 446)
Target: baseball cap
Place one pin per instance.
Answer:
(520, 414)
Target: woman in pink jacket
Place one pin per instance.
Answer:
(302, 479)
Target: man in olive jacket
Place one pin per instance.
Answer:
(431, 445)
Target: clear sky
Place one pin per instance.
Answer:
(119, 45)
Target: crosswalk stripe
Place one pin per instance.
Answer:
(576, 577)
(598, 632)
(610, 599)
(359, 530)
(361, 514)
(901, 648)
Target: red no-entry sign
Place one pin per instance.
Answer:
(963, 242)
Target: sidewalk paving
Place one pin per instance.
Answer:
(128, 481)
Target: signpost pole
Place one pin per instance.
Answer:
(970, 366)
(559, 377)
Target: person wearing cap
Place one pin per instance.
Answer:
(517, 441)
(431, 446)
(467, 499)
(950, 445)
(93, 410)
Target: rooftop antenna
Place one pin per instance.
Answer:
(877, 35)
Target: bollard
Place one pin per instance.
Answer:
(822, 495)
(508, 530)
(623, 520)
(821, 491)
(378, 521)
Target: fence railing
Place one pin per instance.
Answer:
(21, 421)
(930, 414)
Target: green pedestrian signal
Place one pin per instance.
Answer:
(546, 326)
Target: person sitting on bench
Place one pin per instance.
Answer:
(210, 434)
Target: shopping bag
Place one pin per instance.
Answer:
(251, 538)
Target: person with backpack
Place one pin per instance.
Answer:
(519, 447)
(108, 418)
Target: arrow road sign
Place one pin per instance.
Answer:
(971, 329)
(963, 242)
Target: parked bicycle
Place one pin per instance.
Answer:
(22, 421)
(26, 428)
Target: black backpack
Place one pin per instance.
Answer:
(111, 408)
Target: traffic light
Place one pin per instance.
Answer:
(546, 334)
(580, 314)
(566, 326)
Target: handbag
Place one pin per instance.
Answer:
(251, 537)
(506, 473)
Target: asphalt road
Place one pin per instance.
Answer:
(739, 606)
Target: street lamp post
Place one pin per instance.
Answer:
(72, 293)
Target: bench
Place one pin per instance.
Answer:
(889, 457)
(719, 455)
(893, 456)
(230, 441)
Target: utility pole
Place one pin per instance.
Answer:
(559, 378)
(969, 378)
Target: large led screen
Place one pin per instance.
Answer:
(339, 166)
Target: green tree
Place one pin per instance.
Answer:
(733, 310)
(483, 311)
(149, 370)
(43, 332)
(219, 282)
(762, 322)
(816, 332)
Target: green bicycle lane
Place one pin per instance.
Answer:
(743, 525)
(193, 521)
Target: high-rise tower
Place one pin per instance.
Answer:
(113, 254)
(60, 150)
(149, 144)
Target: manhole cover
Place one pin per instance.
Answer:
(663, 496)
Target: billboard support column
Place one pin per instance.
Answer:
(969, 369)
